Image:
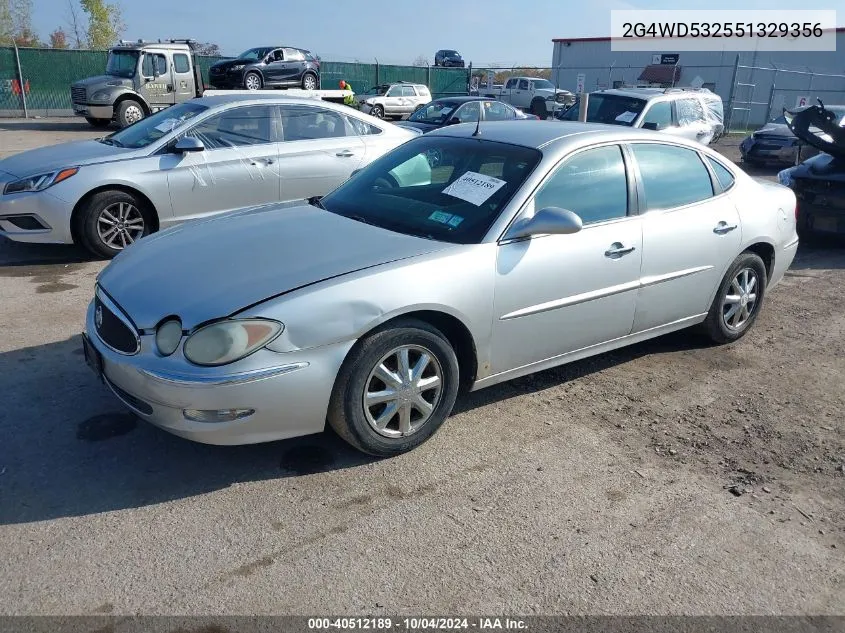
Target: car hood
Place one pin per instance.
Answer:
(418, 125)
(103, 80)
(818, 127)
(50, 158)
(218, 267)
(228, 63)
(821, 167)
(774, 129)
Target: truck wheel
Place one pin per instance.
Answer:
(98, 123)
(112, 220)
(129, 112)
(252, 81)
(309, 81)
(538, 109)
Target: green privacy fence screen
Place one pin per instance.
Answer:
(48, 73)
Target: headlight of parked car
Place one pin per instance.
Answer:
(785, 177)
(238, 67)
(168, 336)
(103, 95)
(227, 341)
(39, 182)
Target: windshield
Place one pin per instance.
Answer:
(451, 53)
(441, 188)
(152, 128)
(613, 109)
(122, 63)
(435, 112)
(255, 53)
(542, 84)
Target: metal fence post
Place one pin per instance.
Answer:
(469, 79)
(21, 82)
(771, 97)
(731, 95)
(377, 72)
(428, 76)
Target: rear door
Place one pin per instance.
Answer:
(294, 65)
(692, 121)
(318, 152)
(691, 234)
(239, 167)
(183, 77)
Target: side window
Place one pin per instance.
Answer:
(294, 55)
(660, 113)
(725, 177)
(468, 113)
(591, 183)
(180, 63)
(395, 91)
(689, 112)
(362, 128)
(511, 83)
(497, 111)
(238, 127)
(153, 62)
(305, 123)
(523, 84)
(408, 91)
(672, 176)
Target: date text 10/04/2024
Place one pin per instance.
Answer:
(417, 624)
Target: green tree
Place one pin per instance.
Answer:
(16, 23)
(105, 23)
(7, 25)
(58, 39)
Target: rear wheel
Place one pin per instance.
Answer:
(98, 123)
(252, 81)
(129, 112)
(738, 301)
(111, 221)
(309, 81)
(395, 389)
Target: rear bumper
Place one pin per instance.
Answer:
(94, 111)
(820, 219)
(753, 150)
(783, 261)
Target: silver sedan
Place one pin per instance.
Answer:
(189, 161)
(461, 259)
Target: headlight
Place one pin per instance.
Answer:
(238, 67)
(103, 95)
(785, 177)
(39, 182)
(168, 336)
(227, 341)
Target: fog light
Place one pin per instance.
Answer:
(216, 415)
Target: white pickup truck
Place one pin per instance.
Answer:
(534, 95)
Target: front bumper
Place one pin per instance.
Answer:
(37, 217)
(94, 111)
(289, 392)
(226, 80)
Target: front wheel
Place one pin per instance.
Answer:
(129, 112)
(738, 301)
(252, 81)
(377, 112)
(395, 389)
(113, 220)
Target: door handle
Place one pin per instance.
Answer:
(617, 249)
(724, 227)
(346, 153)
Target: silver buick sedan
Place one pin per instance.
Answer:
(189, 161)
(461, 259)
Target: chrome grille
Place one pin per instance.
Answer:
(77, 94)
(560, 97)
(114, 329)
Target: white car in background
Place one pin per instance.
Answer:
(394, 100)
(187, 162)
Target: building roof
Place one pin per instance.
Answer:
(838, 29)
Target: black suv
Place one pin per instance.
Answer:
(268, 67)
(448, 57)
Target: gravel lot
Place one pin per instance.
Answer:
(599, 487)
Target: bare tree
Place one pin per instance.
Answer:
(77, 28)
(207, 48)
(422, 60)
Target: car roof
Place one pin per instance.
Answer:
(464, 98)
(218, 100)
(542, 134)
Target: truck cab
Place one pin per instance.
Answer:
(535, 95)
(141, 78)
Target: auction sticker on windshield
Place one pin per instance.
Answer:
(626, 117)
(167, 125)
(474, 187)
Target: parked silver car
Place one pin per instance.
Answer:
(192, 160)
(456, 260)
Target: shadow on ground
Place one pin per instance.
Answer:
(70, 124)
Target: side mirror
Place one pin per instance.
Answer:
(188, 144)
(653, 125)
(453, 121)
(547, 221)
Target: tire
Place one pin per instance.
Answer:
(538, 109)
(98, 123)
(113, 208)
(357, 424)
(725, 322)
(309, 81)
(129, 112)
(377, 111)
(252, 81)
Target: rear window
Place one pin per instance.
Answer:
(180, 63)
(440, 188)
(672, 176)
(725, 177)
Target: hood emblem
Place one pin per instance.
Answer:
(98, 317)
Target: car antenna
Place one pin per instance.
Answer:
(478, 126)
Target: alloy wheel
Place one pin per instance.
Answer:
(740, 299)
(310, 82)
(402, 391)
(253, 82)
(120, 224)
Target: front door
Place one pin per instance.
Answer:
(274, 70)
(690, 235)
(319, 151)
(556, 294)
(239, 167)
(157, 80)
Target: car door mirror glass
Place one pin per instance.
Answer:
(653, 125)
(547, 221)
(188, 144)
